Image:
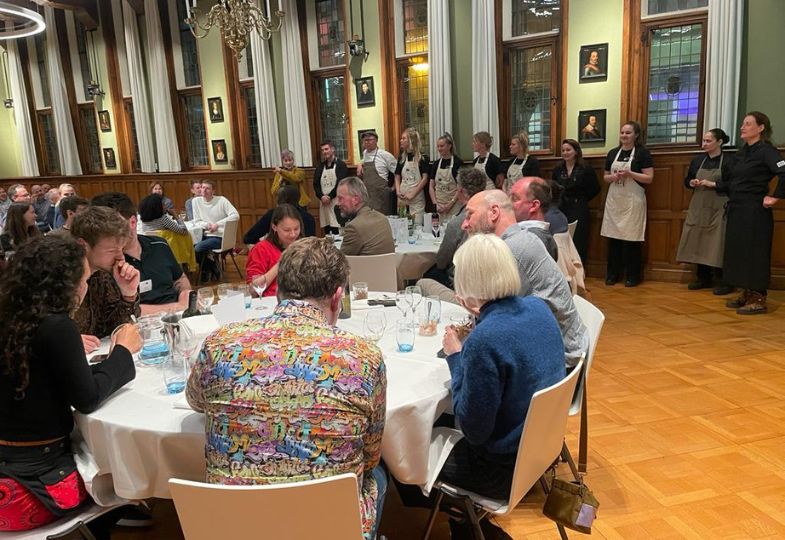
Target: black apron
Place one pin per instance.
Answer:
(748, 236)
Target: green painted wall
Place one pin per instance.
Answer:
(9, 158)
(461, 69)
(763, 63)
(211, 62)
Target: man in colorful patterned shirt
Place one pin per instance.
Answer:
(291, 397)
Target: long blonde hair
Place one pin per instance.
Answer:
(414, 145)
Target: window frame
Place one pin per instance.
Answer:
(87, 166)
(181, 122)
(245, 125)
(131, 135)
(316, 79)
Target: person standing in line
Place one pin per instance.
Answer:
(628, 167)
(580, 185)
(377, 167)
(703, 236)
(443, 173)
(325, 184)
(486, 161)
(521, 164)
(747, 257)
(411, 174)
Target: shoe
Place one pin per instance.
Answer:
(632, 282)
(722, 290)
(699, 284)
(739, 301)
(462, 530)
(136, 516)
(756, 304)
(611, 280)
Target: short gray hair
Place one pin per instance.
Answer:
(356, 187)
(286, 153)
(485, 269)
(499, 198)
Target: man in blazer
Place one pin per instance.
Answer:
(369, 231)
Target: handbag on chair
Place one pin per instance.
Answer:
(572, 505)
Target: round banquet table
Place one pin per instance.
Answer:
(141, 437)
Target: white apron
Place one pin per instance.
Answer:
(410, 177)
(514, 172)
(490, 182)
(446, 188)
(625, 206)
(703, 237)
(327, 216)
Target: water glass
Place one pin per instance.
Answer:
(154, 347)
(245, 290)
(404, 335)
(374, 325)
(428, 315)
(359, 290)
(173, 369)
(224, 290)
(414, 235)
(205, 298)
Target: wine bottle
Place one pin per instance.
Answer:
(192, 310)
(346, 305)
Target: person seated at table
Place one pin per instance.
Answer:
(262, 267)
(296, 425)
(494, 377)
(368, 232)
(470, 182)
(289, 174)
(286, 195)
(211, 212)
(70, 207)
(153, 216)
(157, 188)
(66, 190)
(19, 227)
(530, 200)
(491, 212)
(45, 374)
(163, 286)
(196, 191)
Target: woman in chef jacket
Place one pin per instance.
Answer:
(486, 161)
(411, 175)
(443, 173)
(628, 168)
(521, 164)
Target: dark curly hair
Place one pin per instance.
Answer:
(42, 278)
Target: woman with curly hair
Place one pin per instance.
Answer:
(19, 226)
(45, 374)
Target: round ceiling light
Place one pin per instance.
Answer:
(26, 22)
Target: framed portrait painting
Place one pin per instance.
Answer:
(104, 121)
(109, 158)
(365, 92)
(216, 108)
(593, 63)
(219, 151)
(591, 126)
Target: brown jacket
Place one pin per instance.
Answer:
(103, 308)
(368, 233)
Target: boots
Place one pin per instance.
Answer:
(756, 303)
(739, 301)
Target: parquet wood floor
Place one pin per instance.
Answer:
(687, 425)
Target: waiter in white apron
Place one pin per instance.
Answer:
(521, 164)
(443, 184)
(411, 175)
(486, 161)
(627, 167)
(377, 164)
(325, 184)
(703, 236)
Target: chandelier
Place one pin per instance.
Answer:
(236, 19)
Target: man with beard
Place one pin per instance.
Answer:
(368, 232)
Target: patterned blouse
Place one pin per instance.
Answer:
(290, 398)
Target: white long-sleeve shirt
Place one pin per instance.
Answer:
(219, 210)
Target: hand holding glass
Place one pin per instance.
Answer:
(259, 284)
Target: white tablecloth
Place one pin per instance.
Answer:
(140, 437)
(195, 231)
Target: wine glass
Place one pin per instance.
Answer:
(205, 298)
(435, 225)
(374, 325)
(403, 301)
(416, 295)
(259, 284)
(224, 290)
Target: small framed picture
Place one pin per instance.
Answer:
(360, 134)
(591, 126)
(216, 108)
(104, 121)
(219, 151)
(109, 159)
(365, 94)
(593, 62)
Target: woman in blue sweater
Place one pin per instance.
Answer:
(515, 350)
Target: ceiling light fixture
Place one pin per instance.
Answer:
(26, 22)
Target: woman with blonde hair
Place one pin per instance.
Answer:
(521, 164)
(494, 376)
(443, 173)
(486, 161)
(411, 175)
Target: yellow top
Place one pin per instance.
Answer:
(296, 177)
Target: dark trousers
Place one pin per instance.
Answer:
(439, 275)
(709, 274)
(624, 259)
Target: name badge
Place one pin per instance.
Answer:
(146, 286)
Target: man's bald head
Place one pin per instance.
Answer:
(488, 212)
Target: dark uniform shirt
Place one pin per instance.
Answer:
(158, 267)
(493, 168)
(728, 161)
(754, 168)
(531, 168)
(410, 157)
(456, 164)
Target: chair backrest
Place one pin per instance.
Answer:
(229, 239)
(570, 262)
(378, 271)
(543, 434)
(210, 511)
(571, 228)
(593, 319)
